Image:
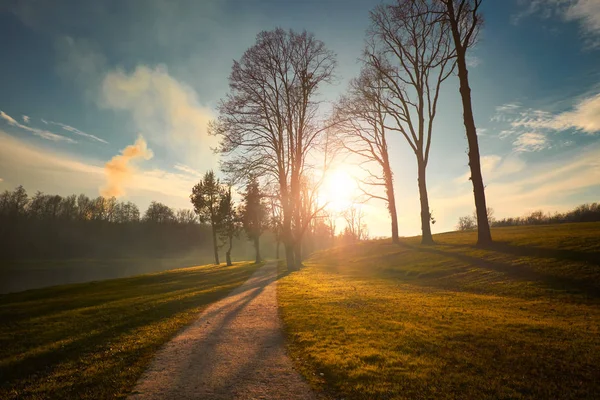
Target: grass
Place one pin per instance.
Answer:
(93, 340)
(519, 320)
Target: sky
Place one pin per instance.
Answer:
(114, 97)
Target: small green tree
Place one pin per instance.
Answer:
(254, 215)
(206, 198)
(229, 223)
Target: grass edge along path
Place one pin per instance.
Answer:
(93, 340)
(377, 321)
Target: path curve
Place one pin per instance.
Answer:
(235, 350)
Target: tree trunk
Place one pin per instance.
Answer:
(298, 254)
(426, 237)
(278, 242)
(215, 245)
(389, 186)
(289, 256)
(484, 236)
(228, 253)
(257, 249)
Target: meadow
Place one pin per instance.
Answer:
(93, 340)
(517, 320)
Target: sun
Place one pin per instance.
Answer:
(338, 191)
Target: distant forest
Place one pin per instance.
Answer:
(46, 226)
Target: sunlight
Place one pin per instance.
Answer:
(339, 190)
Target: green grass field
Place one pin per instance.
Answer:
(520, 320)
(93, 340)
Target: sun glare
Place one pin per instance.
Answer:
(339, 190)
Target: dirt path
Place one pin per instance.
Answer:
(235, 350)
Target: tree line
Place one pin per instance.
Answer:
(50, 226)
(47, 226)
(581, 213)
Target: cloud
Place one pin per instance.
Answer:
(585, 12)
(76, 131)
(488, 164)
(49, 171)
(44, 134)
(187, 170)
(514, 187)
(119, 169)
(531, 141)
(584, 117)
(163, 108)
(25, 119)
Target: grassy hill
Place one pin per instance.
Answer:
(519, 320)
(93, 340)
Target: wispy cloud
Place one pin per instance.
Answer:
(585, 12)
(25, 119)
(514, 187)
(76, 131)
(164, 109)
(531, 141)
(583, 117)
(119, 170)
(187, 170)
(44, 134)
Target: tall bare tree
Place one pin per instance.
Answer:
(464, 20)
(413, 55)
(268, 124)
(360, 121)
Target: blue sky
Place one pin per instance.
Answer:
(91, 77)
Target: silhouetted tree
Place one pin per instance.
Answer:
(361, 128)
(268, 124)
(466, 223)
(413, 56)
(356, 228)
(228, 223)
(206, 198)
(464, 20)
(185, 216)
(254, 215)
(159, 213)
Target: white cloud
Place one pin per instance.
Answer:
(162, 108)
(25, 119)
(76, 131)
(44, 134)
(531, 141)
(187, 170)
(584, 117)
(585, 12)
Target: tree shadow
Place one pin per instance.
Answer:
(522, 272)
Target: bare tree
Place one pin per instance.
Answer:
(356, 228)
(413, 55)
(360, 120)
(464, 20)
(268, 124)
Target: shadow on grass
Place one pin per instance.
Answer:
(524, 272)
(98, 337)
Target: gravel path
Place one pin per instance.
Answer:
(235, 350)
